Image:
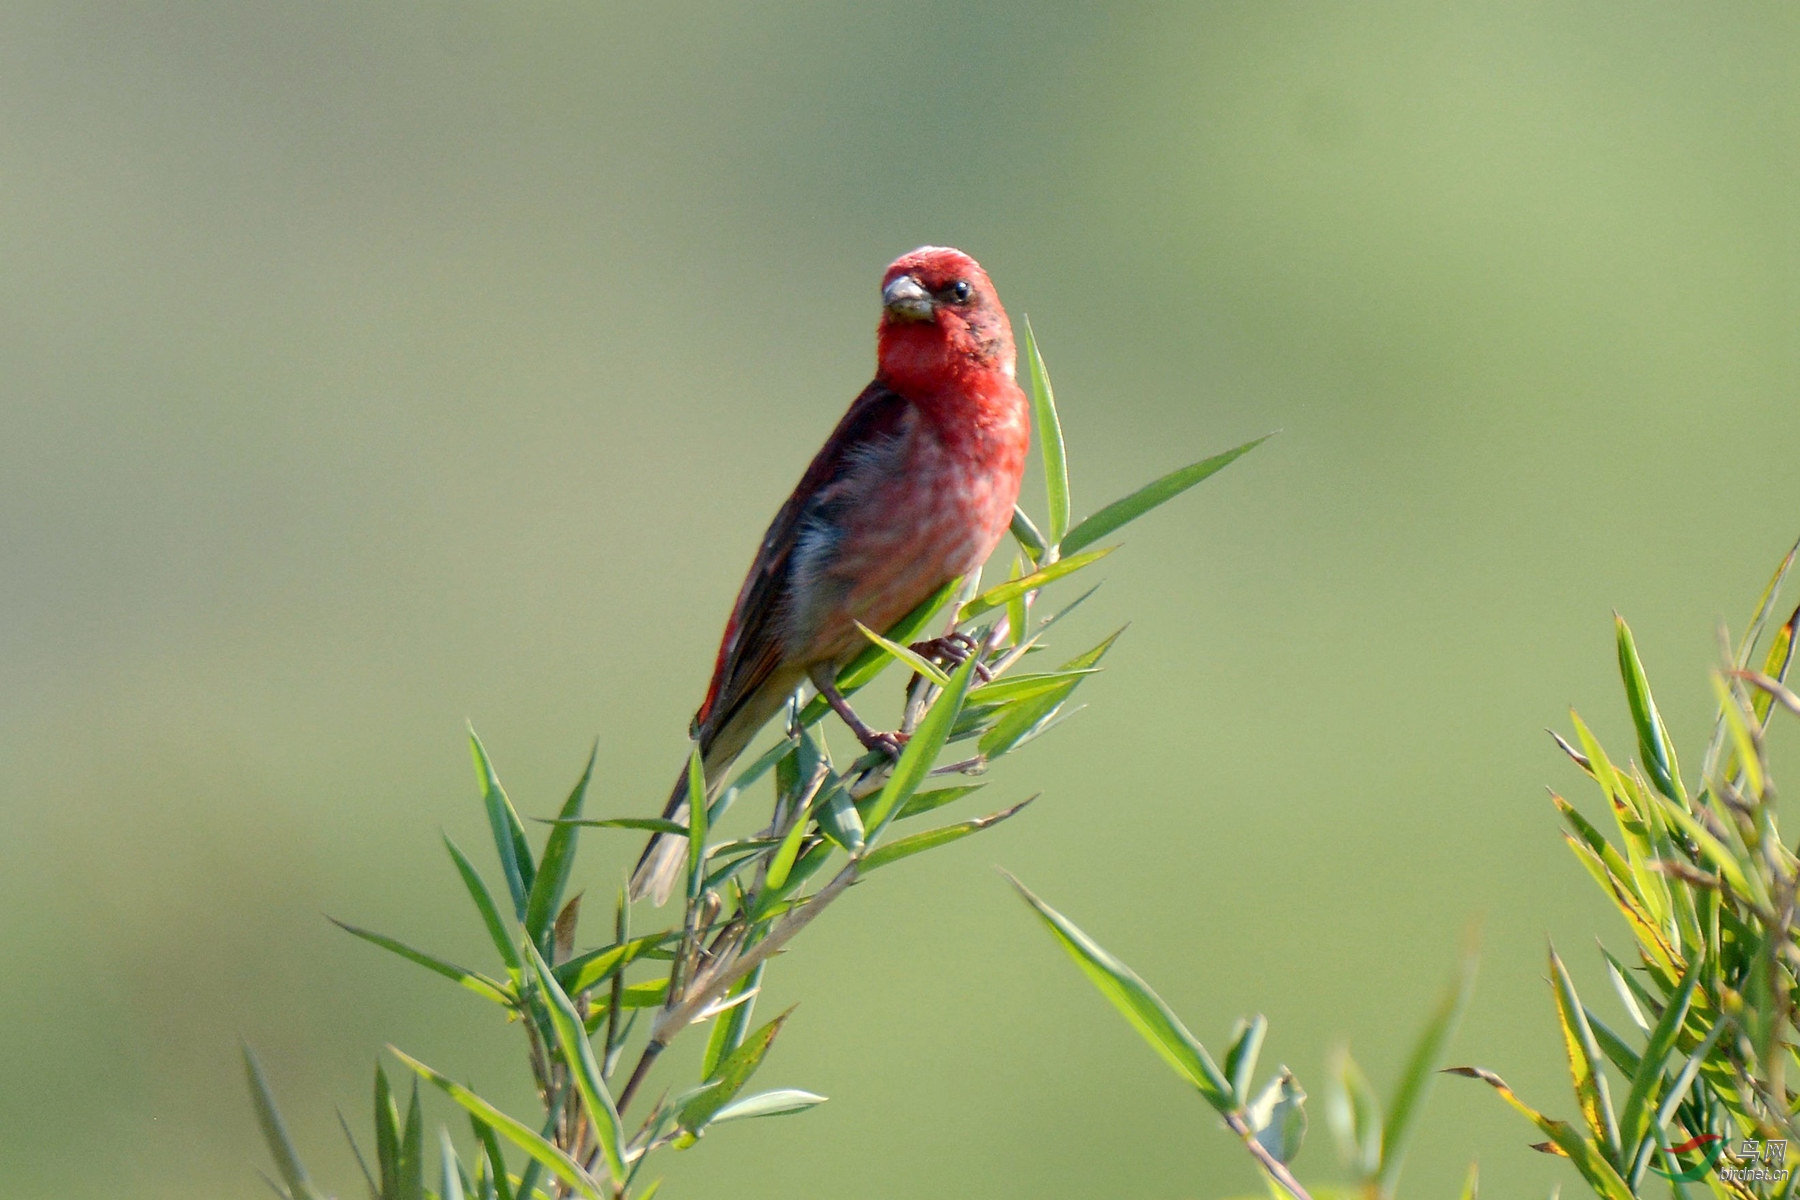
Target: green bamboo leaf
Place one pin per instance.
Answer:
(1050, 438)
(1122, 512)
(1018, 615)
(387, 1136)
(649, 994)
(552, 874)
(475, 981)
(577, 1054)
(1000, 595)
(1353, 1111)
(729, 1029)
(697, 818)
(867, 665)
(1416, 1078)
(412, 1151)
(1657, 754)
(362, 1164)
(918, 662)
(1140, 1006)
(1021, 720)
(652, 824)
(1737, 712)
(931, 839)
(1635, 1120)
(838, 818)
(936, 798)
(782, 861)
(595, 967)
(1024, 686)
(921, 751)
(507, 830)
(1591, 1088)
(1582, 1152)
(1027, 535)
(517, 1132)
(496, 1161)
(1240, 1056)
(778, 1103)
(450, 1170)
(1617, 1052)
(732, 1074)
(1471, 1182)
(484, 904)
(1277, 1117)
(274, 1131)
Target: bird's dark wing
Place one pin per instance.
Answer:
(753, 645)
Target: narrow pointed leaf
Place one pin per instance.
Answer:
(1654, 750)
(1050, 438)
(1140, 1006)
(924, 802)
(356, 1152)
(1353, 1111)
(1122, 512)
(484, 1133)
(275, 1134)
(596, 966)
(517, 1132)
(1241, 1055)
(578, 1056)
(778, 1103)
(931, 839)
(921, 752)
(558, 860)
(1027, 535)
(1591, 1088)
(653, 824)
(697, 818)
(782, 861)
(507, 830)
(731, 1026)
(1021, 720)
(732, 1074)
(412, 1150)
(1420, 1070)
(450, 1170)
(484, 904)
(387, 1136)
(475, 981)
(1582, 1152)
(918, 662)
(1025, 686)
(999, 595)
(1634, 1119)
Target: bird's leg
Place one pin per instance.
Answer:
(953, 648)
(888, 743)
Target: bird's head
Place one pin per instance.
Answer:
(940, 320)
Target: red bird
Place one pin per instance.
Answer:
(913, 489)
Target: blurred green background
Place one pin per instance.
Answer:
(367, 369)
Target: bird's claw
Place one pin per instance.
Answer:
(890, 744)
(954, 649)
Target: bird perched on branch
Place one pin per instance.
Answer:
(912, 490)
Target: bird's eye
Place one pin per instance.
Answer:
(960, 292)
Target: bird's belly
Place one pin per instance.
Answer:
(911, 535)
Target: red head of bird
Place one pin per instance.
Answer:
(942, 327)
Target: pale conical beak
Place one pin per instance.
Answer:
(905, 300)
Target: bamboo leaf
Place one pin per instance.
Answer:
(1591, 1089)
(517, 1132)
(918, 662)
(998, 596)
(449, 1168)
(1050, 438)
(1240, 1056)
(1654, 749)
(931, 839)
(475, 981)
(558, 860)
(387, 1136)
(1158, 492)
(1420, 1070)
(484, 904)
(1019, 722)
(578, 1056)
(484, 1133)
(1582, 1152)
(1025, 686)
(778, 1103)
(653, 824)
(597, 966)
(1353, 1111)
(733, 1073)
(1138, 1004)
(1635, 1121)
(921, 752)
(924, 802)
(729, 1029)
(412, 1150)
(1027, 535)
(507, 830)
(697, 819)
(275, 1134)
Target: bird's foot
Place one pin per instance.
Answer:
(953, 649)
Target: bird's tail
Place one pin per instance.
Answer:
(664, 858)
